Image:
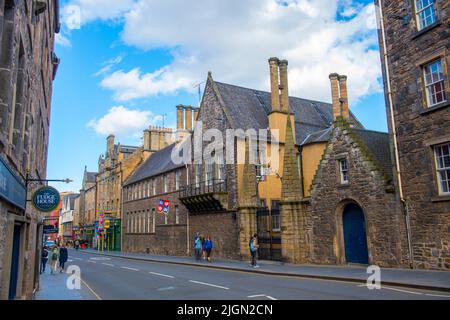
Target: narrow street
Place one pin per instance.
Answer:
(110, 278)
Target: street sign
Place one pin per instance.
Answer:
(164, 206)
(50, 229)
(107, 224)
(46, 199)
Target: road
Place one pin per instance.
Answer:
(111, 278)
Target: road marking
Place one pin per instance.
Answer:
(166, 289)
(108, 264)
(262, 295)
(162, 275)
(437, 295)
(92, 261)
(78, 259)
(404, 291)
(132, 269)
(209, 284)
(70, 260)
(100, 259)
(93, 292)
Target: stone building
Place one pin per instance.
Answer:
(414, 40)
(28, 67)
(115, 167)
(68, 219)
(86, 223)
(145, 227)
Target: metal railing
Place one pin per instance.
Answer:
(204, 187)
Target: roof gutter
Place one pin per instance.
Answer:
(380, 19)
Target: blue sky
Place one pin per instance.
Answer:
(150, 66)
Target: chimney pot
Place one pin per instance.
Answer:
(284, 86)
(334, 79)
(344, 97)
(275, 83)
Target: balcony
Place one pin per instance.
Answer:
(205, 197)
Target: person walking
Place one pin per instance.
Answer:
(44, 259)
(77, 244)
(63, 257)
(253, 245)
(54, 259)
(208, 245)
(198, 245)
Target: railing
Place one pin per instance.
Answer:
(204, 187)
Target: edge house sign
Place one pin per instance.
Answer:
(46, 199)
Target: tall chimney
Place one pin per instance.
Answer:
(180, 117)
(147, 142)
(274, 83)
(188, 118)
(284, 86)
(110, 144)
(154, 138)
(334, 78)
(344, 97)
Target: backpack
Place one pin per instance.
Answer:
(54, 256)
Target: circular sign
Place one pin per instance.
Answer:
(46, 199)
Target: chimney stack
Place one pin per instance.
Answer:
(110, 144)
(274, 83)
(334, 79)
(284, 89)
(344, 97)
(147, 142)
(188, 118)
(180, 117)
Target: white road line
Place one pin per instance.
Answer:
(262, 295)
(92, 261)
(108, 264)
(209, 285)
(132, 269)
(166, 289)
(405, 291)
(78, 259)
(162, 275)
(436, 295)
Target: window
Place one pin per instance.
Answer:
(153, 187)
(425, 12)
(177, 215)
(434, 83)
(153, 220)
(276, 218)
(177, 180)
(198, 174)
(148, 221)
(209, 173)
(343, 165)
(165, 183)
(166, 219)
(442, 154)
(220, 167)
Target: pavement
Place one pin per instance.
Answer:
(417, 279)
(54, 287)
(113, 277)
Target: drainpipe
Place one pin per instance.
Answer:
(394, 132)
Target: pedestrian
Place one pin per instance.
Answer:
(203, 255)
(54, 259)
(77, 244)
(253, 246)
(198, 247)
(208, 245)
(63, 257)
(44, 259)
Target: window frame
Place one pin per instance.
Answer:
(428, 87)
(418, 19)
(343, 172)
(437, 169)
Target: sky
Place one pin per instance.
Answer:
(126, 64)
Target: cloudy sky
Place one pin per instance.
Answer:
(126, 64)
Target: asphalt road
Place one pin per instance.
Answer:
(111, 278)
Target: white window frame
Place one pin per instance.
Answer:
(177, 179)
(177, 215)
(429, 86)
(342, 171)
(165, 183)
(153, 187)
(419, 21)
(153, 220)
(209, 173)
(445, 170)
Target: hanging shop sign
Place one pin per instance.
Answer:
(11, 189)
(107, 224)
(164, 206)
(46, 199)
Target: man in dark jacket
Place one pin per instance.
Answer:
(63, 257)
(44, 259)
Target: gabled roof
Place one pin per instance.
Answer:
(249, 109)
(379, 146)
(158, 163)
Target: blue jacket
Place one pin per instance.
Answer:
(198, 243)
(208, 244)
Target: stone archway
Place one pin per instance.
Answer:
(354, 234)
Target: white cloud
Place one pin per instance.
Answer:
(235, 38)
(62, 40)
(124, 122)
(108, 66)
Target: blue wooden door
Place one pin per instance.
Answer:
(14, 264)
(355, 239)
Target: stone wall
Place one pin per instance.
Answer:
(367, 187)
(418, 127)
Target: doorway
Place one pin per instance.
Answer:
(355, 238)
(15, 258)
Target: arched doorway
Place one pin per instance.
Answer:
(355, 239)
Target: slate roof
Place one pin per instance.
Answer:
(158, 163)
(250, 108)
(379, 145)
(319, 136)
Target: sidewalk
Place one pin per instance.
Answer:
(53, 287)
(419, 279)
